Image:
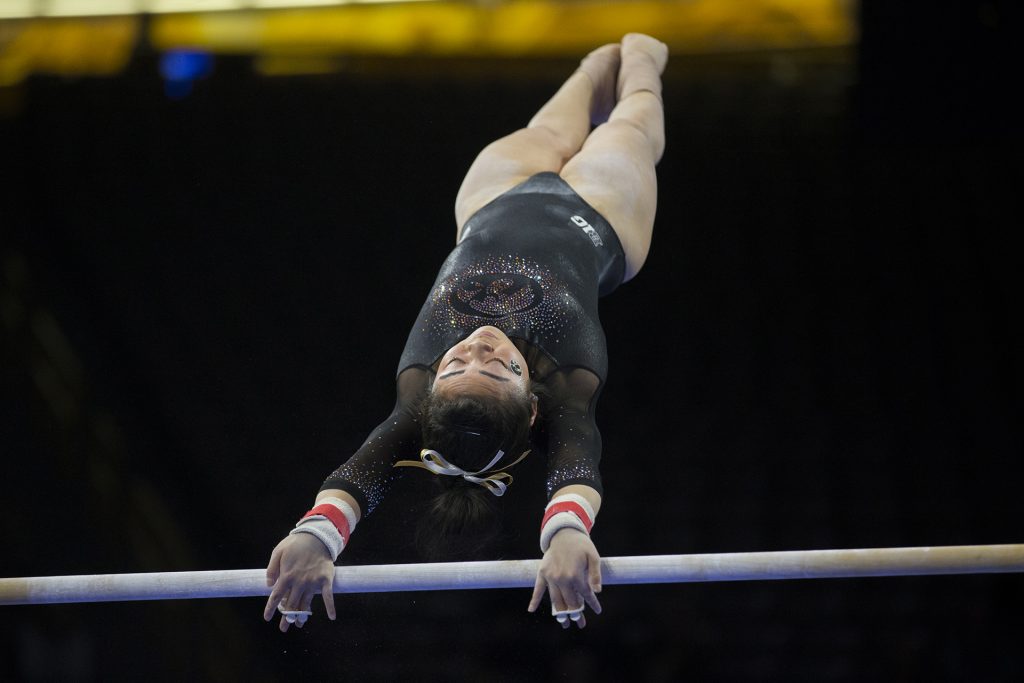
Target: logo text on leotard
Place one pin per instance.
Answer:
(589, 229)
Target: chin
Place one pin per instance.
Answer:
(492, 330)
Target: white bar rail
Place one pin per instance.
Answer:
(799, 564)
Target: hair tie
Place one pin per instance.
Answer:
(434, 462)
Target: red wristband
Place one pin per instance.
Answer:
(568, 506)
(336, 516)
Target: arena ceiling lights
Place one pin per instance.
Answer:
(39, 9)
(284, 37)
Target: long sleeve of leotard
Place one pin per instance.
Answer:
(368, 474)
(573, 439)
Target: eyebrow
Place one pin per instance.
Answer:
(482, 372)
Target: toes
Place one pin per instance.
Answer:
(639, 42)
(610, 51)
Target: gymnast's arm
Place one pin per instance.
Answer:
(571, 569)
(369, 473)
(301, 565)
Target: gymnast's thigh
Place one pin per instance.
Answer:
(505, 163)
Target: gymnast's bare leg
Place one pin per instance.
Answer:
(552, 137)
(618, 89)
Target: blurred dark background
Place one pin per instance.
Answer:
(204, 295)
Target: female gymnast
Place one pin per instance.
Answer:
(548, 219)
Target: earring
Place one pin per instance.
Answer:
(514, 367)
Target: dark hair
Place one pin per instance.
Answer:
(462, 520)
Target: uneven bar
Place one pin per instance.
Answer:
(798, 564)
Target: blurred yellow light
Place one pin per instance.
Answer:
(85, 8)
(24, 9)
(94, 47)
(517, 28)
(312, 37)
(17, 9)
(165, 6)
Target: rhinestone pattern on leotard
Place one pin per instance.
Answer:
(507, 291)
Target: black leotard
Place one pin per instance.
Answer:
(533, 263)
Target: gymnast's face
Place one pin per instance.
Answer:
(483, 364)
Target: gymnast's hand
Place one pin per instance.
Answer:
(571, 574)
(300, 567)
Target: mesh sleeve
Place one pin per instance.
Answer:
(368, 474)
(574, 441)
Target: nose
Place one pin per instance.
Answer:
(479, 345)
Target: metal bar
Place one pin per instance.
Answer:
(800, 564)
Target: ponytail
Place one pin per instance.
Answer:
(463, 521)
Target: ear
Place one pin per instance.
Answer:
(533, 408)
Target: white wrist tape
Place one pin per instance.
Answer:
(345, 508)
(322, 528)
(567, 511)
(333, 533)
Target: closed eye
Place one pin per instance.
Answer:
(493, 360)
